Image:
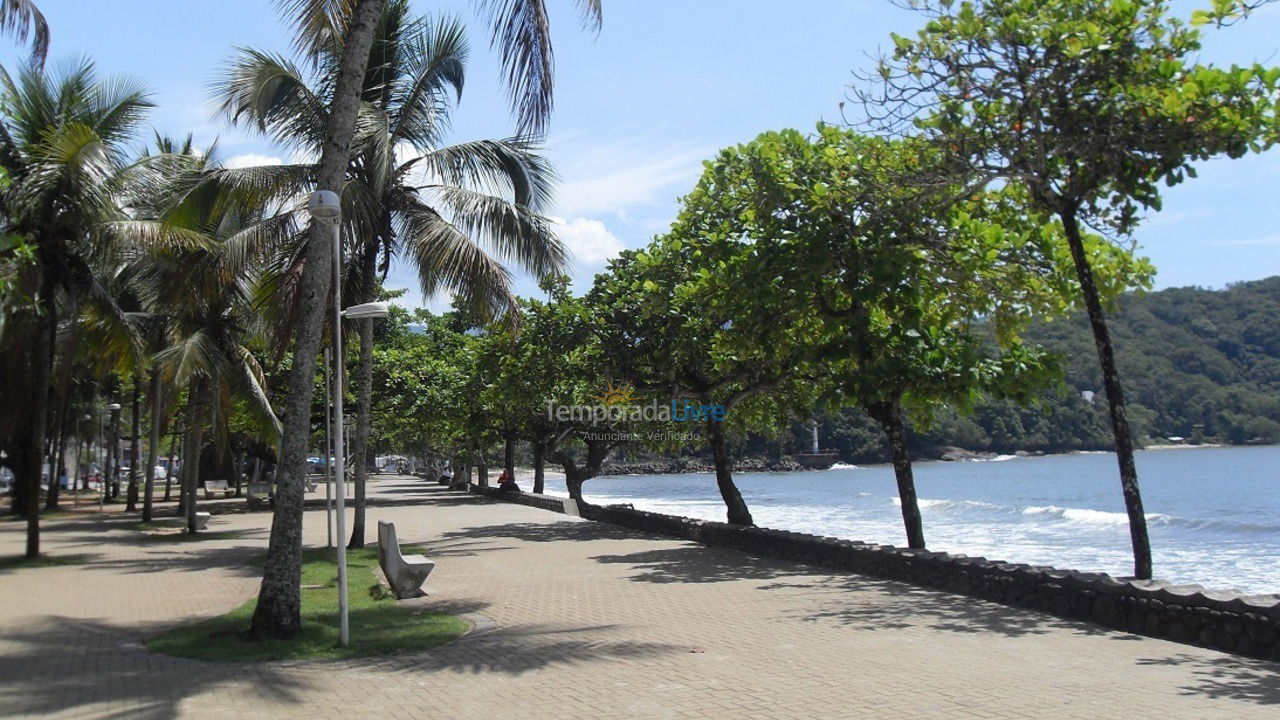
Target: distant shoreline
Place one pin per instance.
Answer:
(949, 454)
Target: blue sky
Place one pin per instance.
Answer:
(661, 88)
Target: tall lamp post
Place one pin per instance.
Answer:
(328, 452)
(326, 208)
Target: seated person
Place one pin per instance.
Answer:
(507, 483)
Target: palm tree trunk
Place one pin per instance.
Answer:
(168, 476)
(134, 442)
(278, 613)
(237, 471)
(1115, 400)
(27, 472)
(191, 456)
(889, 415)
(364, 396)
(153, 448)
(738, 513)
(64, 383)
(113, 453)
(59, 456)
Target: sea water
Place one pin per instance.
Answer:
(1213, 512)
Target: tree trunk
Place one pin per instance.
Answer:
(539, 464)
(889, 415)
(191, 456)
(482, 469)
(64, 405)
(27, 473)
(573, 479)
(278, 613)
(360, 444)
(737, 507)
(135, 441)
(237, 471)
(509, 455)
(168, 476)
(153, 448)
(113, 452)
(59, 457)
(1115, 400)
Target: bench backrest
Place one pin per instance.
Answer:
(215, 484)
(388, 545)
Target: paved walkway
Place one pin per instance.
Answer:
(591, 622)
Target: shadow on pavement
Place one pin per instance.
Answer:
(1227, 676)
(82, 667)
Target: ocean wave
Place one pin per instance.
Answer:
(1084, 516)
(843, 466)
(928, 504)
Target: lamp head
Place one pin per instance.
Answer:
(325, 206)
(366, 310)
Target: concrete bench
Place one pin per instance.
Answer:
(405, 573)
(216, 486)
(571, 507)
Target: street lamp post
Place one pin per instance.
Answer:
(326, 208)
(328, 452)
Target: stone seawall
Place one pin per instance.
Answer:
(1243, 624)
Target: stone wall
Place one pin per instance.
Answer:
(1247, 625)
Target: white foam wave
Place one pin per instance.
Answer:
(844, 466)
(928, 504)
(1084, 516)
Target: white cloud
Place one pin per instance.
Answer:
(617, 177)
(250, 160)
(1253, 241)
(591, 243)
(1176, 217)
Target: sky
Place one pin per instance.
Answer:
(640, 106)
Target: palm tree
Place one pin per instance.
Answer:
(62, 140)
(453, 212)
(200, 299)
(326, 30)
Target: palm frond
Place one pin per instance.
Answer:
(318, 25)
(269, 92)
(21, 18)
(510, 167)
(434, 61)
(522, 36)
(514, 233)
(448, 259)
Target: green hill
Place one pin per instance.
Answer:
(1193, 362)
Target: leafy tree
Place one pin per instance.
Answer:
(676, 323)
(1088, 105)
(874, 282)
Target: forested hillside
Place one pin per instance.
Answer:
(1194, 362)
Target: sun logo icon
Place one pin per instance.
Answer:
(617, 394)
